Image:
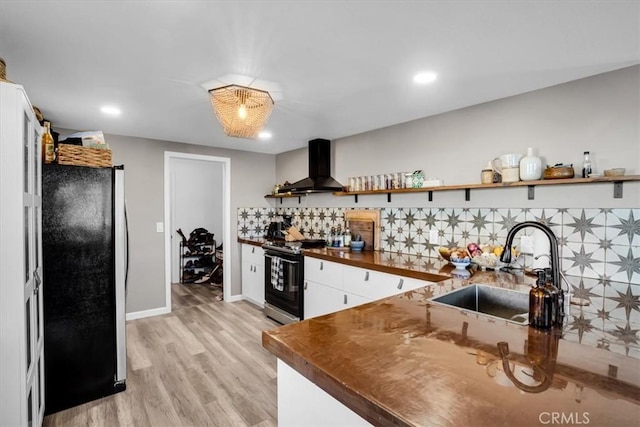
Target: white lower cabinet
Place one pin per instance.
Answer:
(331, 286)
(302, 403)
(376, 285)
(320, 299)
(253, 274)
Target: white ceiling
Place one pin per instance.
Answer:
(343, 67)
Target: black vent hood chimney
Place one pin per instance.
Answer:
(319, 179)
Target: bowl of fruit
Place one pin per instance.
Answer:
(458, 256)
(488, 256)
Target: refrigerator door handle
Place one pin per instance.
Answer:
(121, 275)
(126, 247)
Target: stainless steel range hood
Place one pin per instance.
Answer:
(319, 179)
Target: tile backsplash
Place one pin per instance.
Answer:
(599, 248)
(601, 244)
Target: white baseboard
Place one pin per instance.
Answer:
(252, 301)
(234, 298)
(148, 313)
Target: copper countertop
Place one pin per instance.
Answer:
(255, 241)
(406, 361)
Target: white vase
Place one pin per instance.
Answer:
(530, 167)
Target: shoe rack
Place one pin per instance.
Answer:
(197, 261)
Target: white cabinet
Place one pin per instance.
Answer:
(324, 290)
(375, 284)
(321, 299)
(302, 403)
(324, 272)
(21, 328)
(331, 286)
(253, 274)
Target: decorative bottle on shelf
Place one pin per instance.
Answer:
(530, 166)
(586, 165)
(48, 153)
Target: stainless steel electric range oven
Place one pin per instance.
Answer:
(283, 279)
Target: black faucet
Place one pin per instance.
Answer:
(555, 260)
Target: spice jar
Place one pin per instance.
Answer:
(486, 176)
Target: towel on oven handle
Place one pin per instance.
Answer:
(277, 274)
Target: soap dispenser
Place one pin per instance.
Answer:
(540, 304)
(557, 297)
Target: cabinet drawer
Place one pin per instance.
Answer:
(375, 285)
(323, 272)
(252, 254)
(367, 283)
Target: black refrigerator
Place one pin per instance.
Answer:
(84, 240)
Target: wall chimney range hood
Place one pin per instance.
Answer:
(319, 179)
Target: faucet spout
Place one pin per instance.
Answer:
(553, 243)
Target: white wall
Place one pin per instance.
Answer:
(196, 202)
(599, 113)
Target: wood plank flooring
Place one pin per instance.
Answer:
(201, 365)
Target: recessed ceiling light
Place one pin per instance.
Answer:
(265, 134)
(425, 77)
(110, 110)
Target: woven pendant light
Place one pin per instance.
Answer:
(242, 111)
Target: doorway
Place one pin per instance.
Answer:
(197, 196)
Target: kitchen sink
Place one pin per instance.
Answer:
(506, 304)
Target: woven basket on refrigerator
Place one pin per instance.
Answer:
(77, 155)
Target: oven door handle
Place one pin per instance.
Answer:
(283, 259)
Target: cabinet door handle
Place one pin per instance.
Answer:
(400, 283)
(321, 265)
(253, 250)
(366, 276)
(345, 298)
(305, 286)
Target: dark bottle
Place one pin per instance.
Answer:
(558, 298)
(555, 297)
(586, 165)
(540, 304)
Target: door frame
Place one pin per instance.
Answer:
(226, 218)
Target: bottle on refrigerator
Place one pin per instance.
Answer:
(48, 152)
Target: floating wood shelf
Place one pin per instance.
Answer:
(616, 180)
(284, 196)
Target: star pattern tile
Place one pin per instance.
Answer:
(625, 334)
(478, 221)
(628, 301)
(613, 235)
(583, 293)
(629, 227)
(581, 225)
(580, 324)
(581, 259)
(628, 264)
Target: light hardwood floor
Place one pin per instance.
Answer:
(201, 365)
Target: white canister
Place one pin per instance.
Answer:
(511, 174)
(530, 166)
